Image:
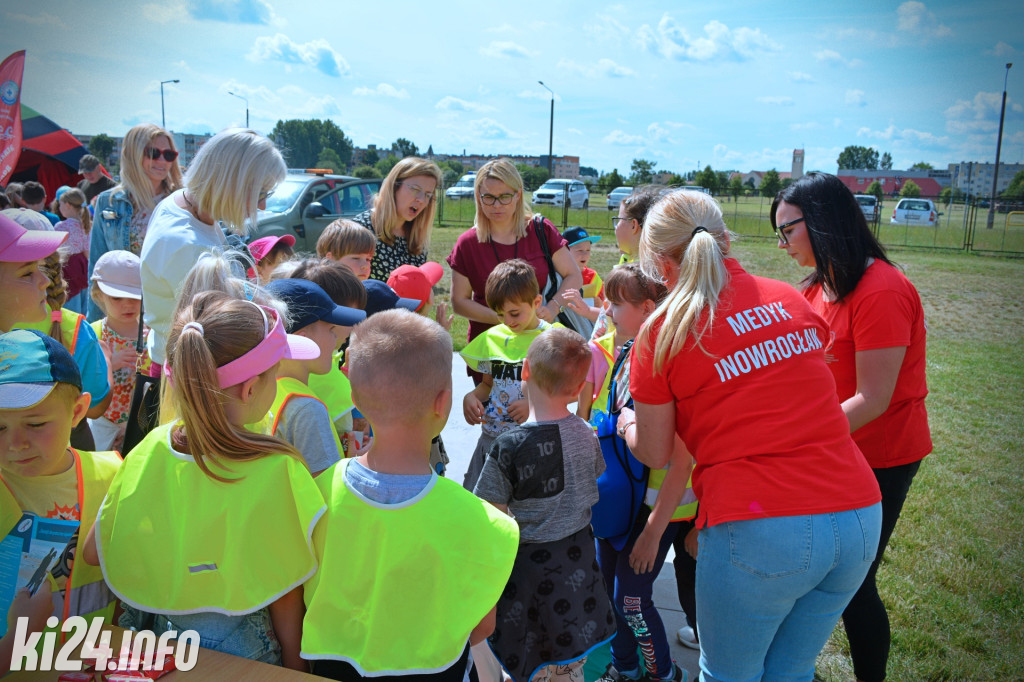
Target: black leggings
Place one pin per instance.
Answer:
(865, 619)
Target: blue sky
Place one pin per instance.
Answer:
(737, 86)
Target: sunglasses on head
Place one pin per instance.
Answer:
(154, 154)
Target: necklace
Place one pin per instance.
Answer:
(515, 253)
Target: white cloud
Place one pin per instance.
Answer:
(604, 67)
(605, 29)
(718, 41)
(164, 12)
(51, 22)
(1001, 49)
(622, 138)
(893, 134)
(538, 94)
(781, 101)
(660, 131)
(833, 57)
(800, 77)
(504, 28)
(978, 115)
(239, 88)
(914, 17)
(836, 122)
(316, 53)
(384, 90)
(855, 98)
(450, 103)
(574, 131)
(489, 129)
(506, 49)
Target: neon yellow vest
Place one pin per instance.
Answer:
(288, 388)
(70, 323)
(687, 508)
(501, 343)
(333, 389)
(86, 593)
(424, 574)
(173, 540)
(590, 291)
(607, 345)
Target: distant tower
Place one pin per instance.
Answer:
(798, 164)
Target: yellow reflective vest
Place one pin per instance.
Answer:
(401, 586)
(70, 324)
(687, 508)
(172, 540)
(288, 388)
(333, 389)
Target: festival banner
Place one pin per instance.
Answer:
(10, 113)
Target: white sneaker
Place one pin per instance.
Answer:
(687, 637)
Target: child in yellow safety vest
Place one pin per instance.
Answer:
(423, 561)
(184, 532)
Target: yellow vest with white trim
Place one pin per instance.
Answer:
(288, 388)
(418, 576)
(501, 343)
(607, 345)
(86, 593)
(333, 389)
(172, 540)
(687, 508)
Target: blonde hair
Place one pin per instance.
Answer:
(382, 350)
(56, 291)
(133, 179)
(230, 172)
(385, 216)
(668, 237)
(344, 237)
(505, 171)
(76, 198)
(559, 361)
(230, 328)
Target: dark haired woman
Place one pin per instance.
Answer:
(877, 356)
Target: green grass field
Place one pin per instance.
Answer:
(953, 576)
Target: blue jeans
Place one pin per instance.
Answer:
(770, 591)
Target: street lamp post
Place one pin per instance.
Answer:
(551, 130)
(246, 106)
(163, 118)
(999, 146)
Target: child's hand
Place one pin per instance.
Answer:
(690, 542)
(443, 318)
(36, 607)
(126, 357)
(472, 409)
(645, 551)
(545, 312)
(574, 301)
(519, 410)
(360, 424)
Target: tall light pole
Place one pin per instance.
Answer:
(163, 118)
(999, 146)
(551, 130)
(246, 106)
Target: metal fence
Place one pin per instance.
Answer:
(976, 225)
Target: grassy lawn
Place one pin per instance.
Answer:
(953, 576)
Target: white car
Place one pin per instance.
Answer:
(616, 196)
(554, 191)
(463, 189)
(868, 205)
(915, 212)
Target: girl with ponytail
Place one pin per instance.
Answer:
(735, 366)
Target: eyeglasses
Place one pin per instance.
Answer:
(503, 199)
(419, 192)
(265, 195)
(779, 229)
(154, 154)
(616, 221)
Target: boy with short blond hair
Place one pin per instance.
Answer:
(44, 482)
(497, 402)
(432, 559)
(350, 244)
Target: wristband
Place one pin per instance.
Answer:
(622, 428)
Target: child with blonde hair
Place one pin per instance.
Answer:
(350, 244)
(77, 222)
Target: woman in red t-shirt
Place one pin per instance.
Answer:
(735, 365)
(504, 230)
(877, 356)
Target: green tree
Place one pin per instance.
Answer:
(676, 180)
(1015, 190)
(854, 157)
(910, 189)
(456, 166)
(642, 171)
(587, 170)
(922, 165)
(329, 159)
(610, 181)
(786, 182)
(371, 157)
(886, 161)
(707, 179)
(367, 172)
(448, 176)
(770, 183)
(302, 141)
(736, 186)
(875, 188)
(403, 148)
(101, 147)
(385, 165)
(533, 176)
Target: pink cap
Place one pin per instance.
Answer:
(19, 245)
(262, 246)
(411, 282)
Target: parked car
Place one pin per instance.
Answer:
(868, 206)
(463, 189)
(553, 192)
(306, 202)
(616, 196)
(915, 212)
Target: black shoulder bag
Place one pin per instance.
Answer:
(144, 412)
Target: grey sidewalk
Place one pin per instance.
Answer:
(460, 440)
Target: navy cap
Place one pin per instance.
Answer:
(381, 297)
(308, 303)
(575, 235)
(31, 364)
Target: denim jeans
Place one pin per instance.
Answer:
(770, 591)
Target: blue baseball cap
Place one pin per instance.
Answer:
(308, 303)
(576, 235)
(381, 297)
(31, 364)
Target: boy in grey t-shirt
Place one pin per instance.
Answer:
(544, 473)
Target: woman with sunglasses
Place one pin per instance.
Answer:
(504, 229)
(227, 182)
(402, 215)
(877, 357)
(789, 514)
(149, 173)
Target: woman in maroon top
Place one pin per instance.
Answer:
(504, 230)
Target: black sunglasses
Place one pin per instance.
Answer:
(154, 154)
(779, 229)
